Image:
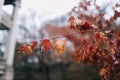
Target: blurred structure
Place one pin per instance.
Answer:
(8, 24)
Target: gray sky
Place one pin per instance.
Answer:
(48, 8)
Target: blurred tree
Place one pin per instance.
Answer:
(94, 35)
(96, 39)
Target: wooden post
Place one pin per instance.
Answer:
(10, 47)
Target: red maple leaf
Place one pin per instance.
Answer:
(117, 43)
(46, 45)
(72, 22)
(60, 46)
(26, 49)
(33, 44)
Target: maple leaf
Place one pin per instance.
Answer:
(77, 56)
(91, 49)
(118, 34)
(83, 6)
(28, 50)
(72, 22)
(33, 44)
(97, 7)
(99, 36)
(86, 26)
(117, 5)
(80, 25)
(88, 3)
(117, 43)
(25, 49)
(22, 48)
(80, 55)
(117, 13)
(60, 46)
(46, 45)
(104, 73)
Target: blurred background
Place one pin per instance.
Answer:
(23, 21)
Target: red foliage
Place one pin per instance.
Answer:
(99, 36)
(81, 25)
(34, 44)
(72, 22)
(26, 49)
(117, 5)
(100, 48)
(60, 46)
(117, 43)
(46, 45)
(103, 46)
(117, 14)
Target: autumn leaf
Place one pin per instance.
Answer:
(77, 56)
(33, 45)
(46, 45)
(91, 48)
(80, 55)
(72, 22)
(97, 7)
(117, 5)
(60, 46)
(99, 36)
(88, 3)
(87, 24)
(117, 13)
(80, 25)
(26, 49)
(104, 73)
(22, 48)
(117, 34)
(117, 43)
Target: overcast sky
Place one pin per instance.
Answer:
(48, 7)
